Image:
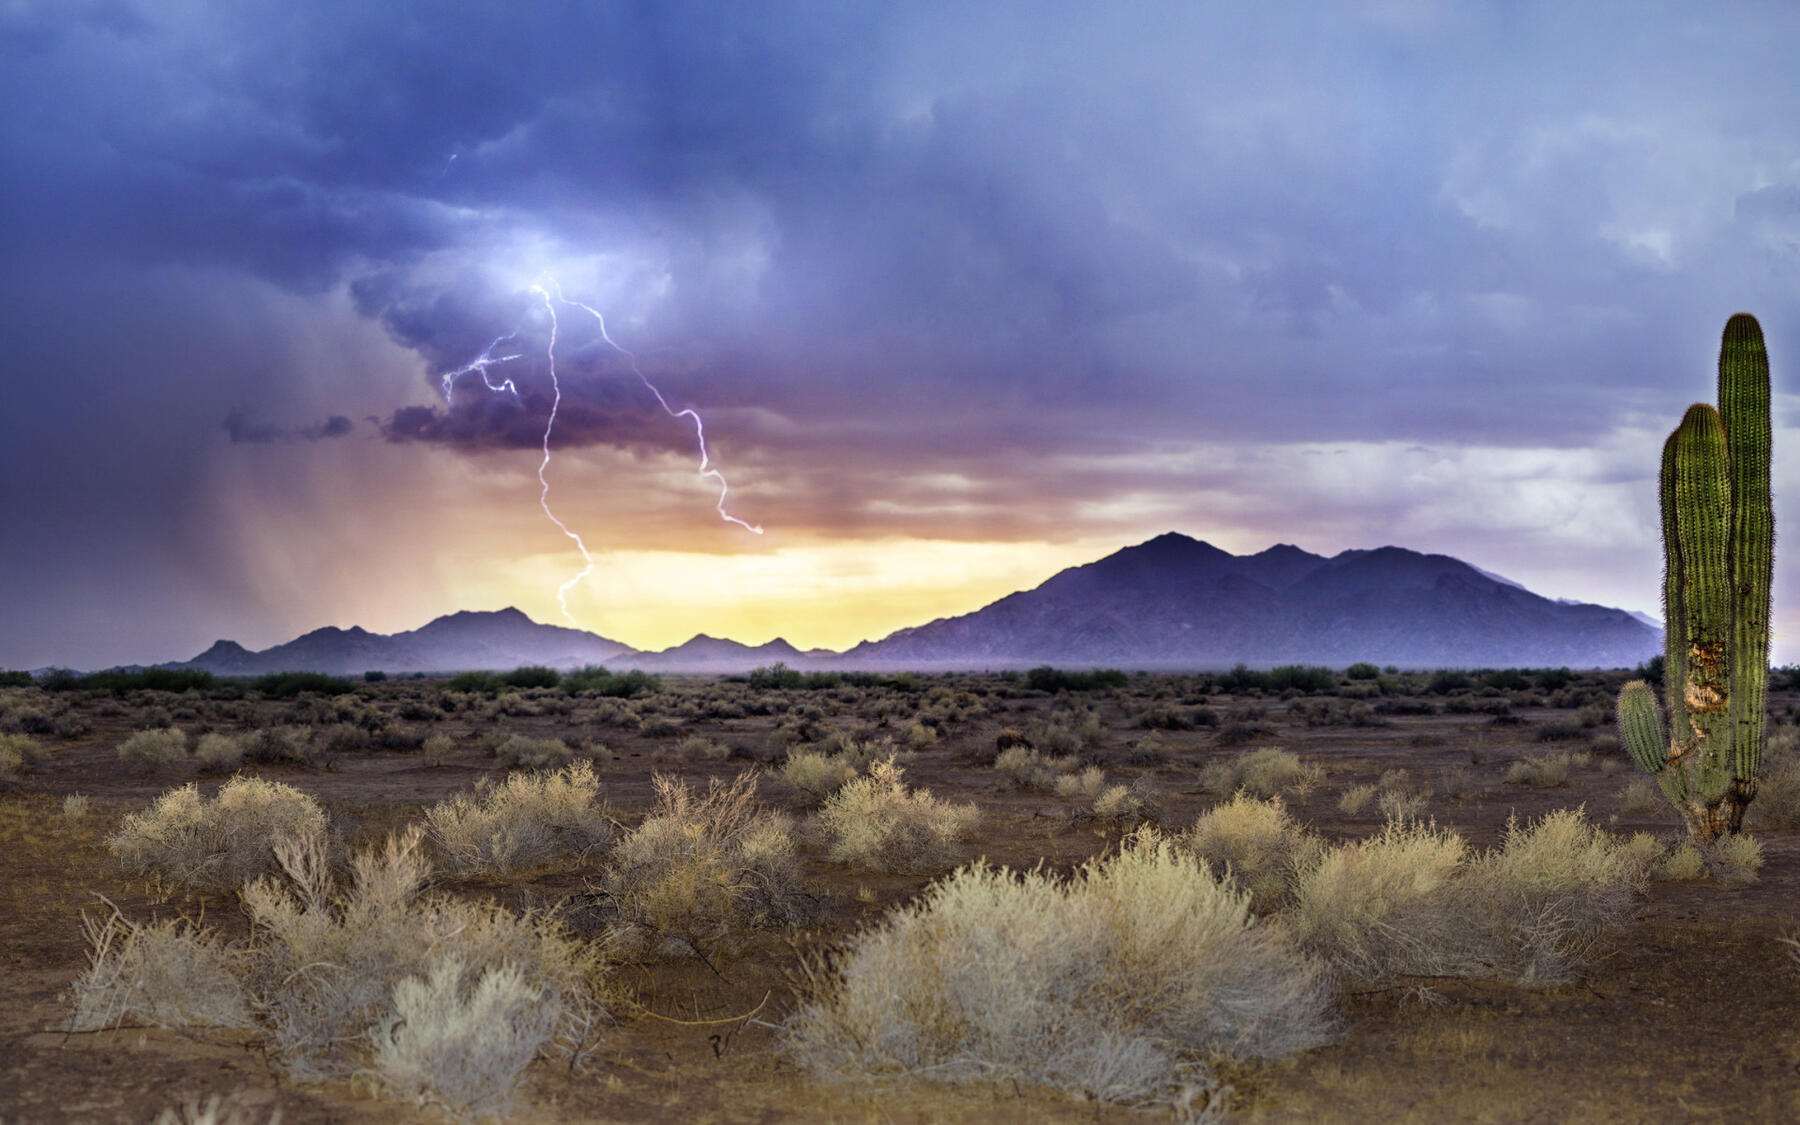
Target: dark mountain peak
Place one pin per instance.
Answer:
(511, 615)
(1170, 545)
(221, 649)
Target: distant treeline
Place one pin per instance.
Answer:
(597, 680)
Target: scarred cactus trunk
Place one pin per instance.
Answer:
(1718, 550)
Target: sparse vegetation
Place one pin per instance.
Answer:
(701, 871)
(879, 823)
(153, 751)
(697, 877)
(1091, 984)
(527, 820)
(220, 843)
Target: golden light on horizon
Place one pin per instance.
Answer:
(827, 595)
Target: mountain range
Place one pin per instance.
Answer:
(1172, 602)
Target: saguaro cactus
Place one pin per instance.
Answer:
(1719, 555)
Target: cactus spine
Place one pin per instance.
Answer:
(1718, 552)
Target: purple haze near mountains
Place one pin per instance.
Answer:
(1172, 602)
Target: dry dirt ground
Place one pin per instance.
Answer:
(1693, 1014)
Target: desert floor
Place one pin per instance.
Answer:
(1693, 1013)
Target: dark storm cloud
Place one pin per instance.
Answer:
(925, 266)
(243, 431)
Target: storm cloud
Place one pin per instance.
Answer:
(1031, 272)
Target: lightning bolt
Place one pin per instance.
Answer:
(487, 359)
(706, 469)
(587, 560)
(481, 363)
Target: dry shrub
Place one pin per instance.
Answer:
(219, 843)
(1680, 864)
(521, 752)
(325, 961)
(1353, 908)
(218, 753)
(169, 973)
(76, 807)
(1398, 804)
(817, 776)
(1640, 797)
(918, 735)
(1257, 843)
(1098, 984)
(1777, 803)
(527, 820)
(1355, 799)
(281, 744)
(695, 748)
(1025, 768)
(700, 872)
(1120, 804)
(1737, 859)
(153, 751)
(1546, 771)
(1410, 902)
(1265, 773)
(214, 1111)
(877, 823)
(1085, 785)
(20, 753)
(459, 1045)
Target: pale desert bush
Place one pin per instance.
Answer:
(459, 1045)
(1640, 797)
(1734, 860)
(220, 843)
(281, 744)
(701, 872)
(1258, 843)
(1120, 804)
(20, 753)
(76, 807)
(1680, 864)
(1355, 799)
(1097, 984)
(1399, 804)
(218, 753)
(521, 752)
(527, 820)
(1265, 773)
(1085, 785)
(1410, 901)
(1355, 906)
(1546, 771)
(817, 776)
(1026, 768)
(696, 748)
(1737, 859)
(153, 751)
(878, 823)
(325, 960)
(169, 974)
(1777, 803)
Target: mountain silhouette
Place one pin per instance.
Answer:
(1172, 602)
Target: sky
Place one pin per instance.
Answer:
(963, 293)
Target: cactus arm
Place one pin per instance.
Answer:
(1703, 537)
(1641, 727)
(1744, 406)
